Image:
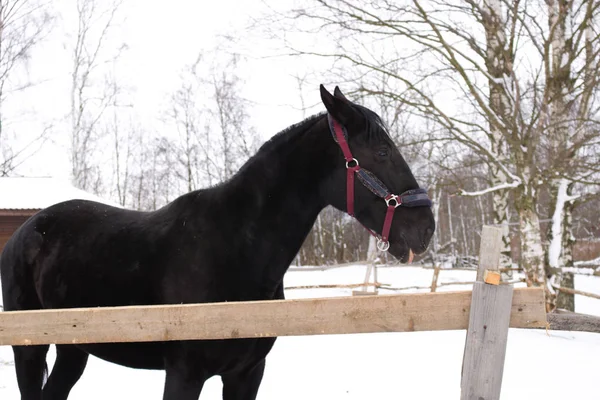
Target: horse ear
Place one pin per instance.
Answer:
(339, 108)
(338, 93)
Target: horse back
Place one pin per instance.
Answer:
(81, 253)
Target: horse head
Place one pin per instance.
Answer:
(373, 182)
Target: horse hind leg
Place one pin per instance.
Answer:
(68, 368)
(31, 368)
(243, 385)
(30, 361)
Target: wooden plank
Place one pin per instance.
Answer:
(487, 336)
(360, 314)
(489, 250)
(489, 319)
(336, 286)
(364, 292)
(569, 321)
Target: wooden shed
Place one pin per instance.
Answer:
(20, 198)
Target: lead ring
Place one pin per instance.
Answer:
(383, 245)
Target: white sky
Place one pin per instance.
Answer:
(161, 40)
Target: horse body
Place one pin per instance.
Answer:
(232, 242)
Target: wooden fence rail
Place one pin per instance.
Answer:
(362, 314)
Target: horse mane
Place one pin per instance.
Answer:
(282, 138)
(375, 127)
(290, 133)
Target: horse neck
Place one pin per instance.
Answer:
(280, 190)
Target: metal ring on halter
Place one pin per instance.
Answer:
(348, 162)
(382, 246)
(395, 198)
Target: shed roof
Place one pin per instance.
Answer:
(39, 193)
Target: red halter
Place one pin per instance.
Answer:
(410, 198)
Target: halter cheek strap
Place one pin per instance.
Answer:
(352, 165)
(410, 198)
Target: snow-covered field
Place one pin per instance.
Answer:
(415, 365)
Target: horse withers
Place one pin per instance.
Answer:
(232, 242)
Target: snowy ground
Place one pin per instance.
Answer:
(416, 365)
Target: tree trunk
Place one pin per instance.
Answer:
(560, 131)
(499, 64)
(566, 301)
(532, 253)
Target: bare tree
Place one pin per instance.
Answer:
(90, 96)
(238, 140)
(211, 119)
(23, 25)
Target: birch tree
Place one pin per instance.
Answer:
(571, 122)
(499, 62)
(479, 70)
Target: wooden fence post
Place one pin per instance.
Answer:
(489, 317)
(434, 279)
(371, 268)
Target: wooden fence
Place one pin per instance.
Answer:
(486, 313)
(390, 313)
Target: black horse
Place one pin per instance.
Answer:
(232, 242)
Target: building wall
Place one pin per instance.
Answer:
(8, 225)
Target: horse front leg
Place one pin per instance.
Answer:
(182, 381)
(243, 385)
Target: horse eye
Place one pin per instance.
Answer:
(383, 152)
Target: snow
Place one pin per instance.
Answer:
(594, 261)
(38, 193)
(508, 185)
(554, 248)
(414, 365)
(564, 59)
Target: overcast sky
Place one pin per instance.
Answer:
(161, 39)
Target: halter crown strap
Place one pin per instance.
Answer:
(340, 135)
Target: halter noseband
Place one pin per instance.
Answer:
(410, 198)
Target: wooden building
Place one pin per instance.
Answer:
(20, 198)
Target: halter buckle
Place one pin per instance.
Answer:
(396, 201)
(382, 245)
